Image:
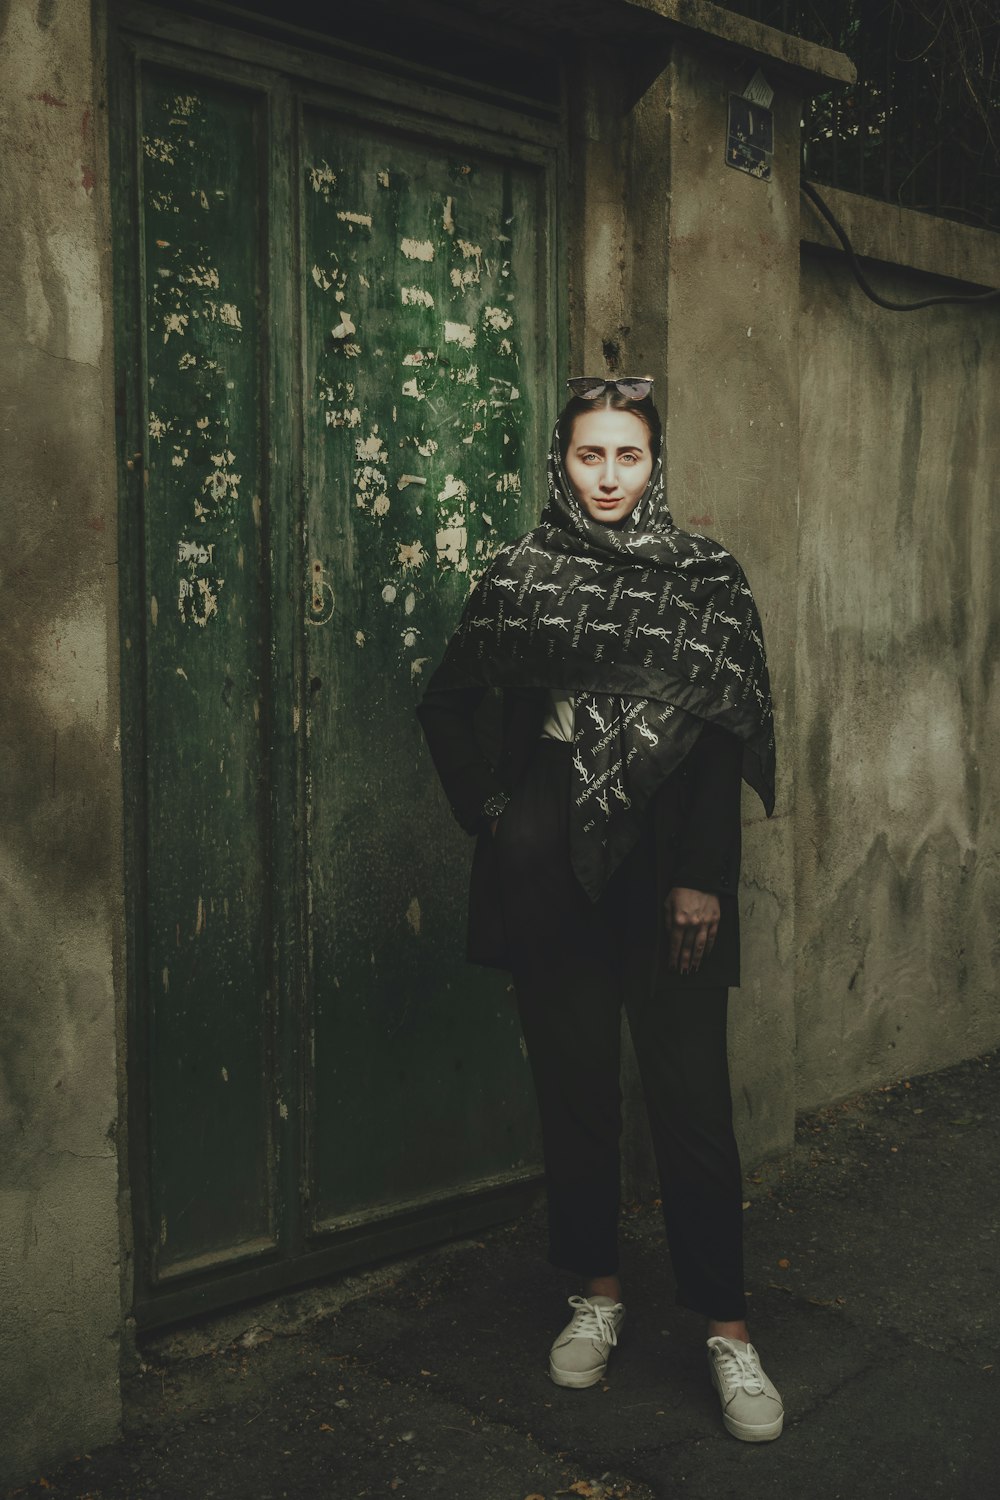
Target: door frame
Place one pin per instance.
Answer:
(431, 107)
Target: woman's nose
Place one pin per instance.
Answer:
(609, 479)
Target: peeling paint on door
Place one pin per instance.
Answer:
(460, 333)
(438, 425)
(415, 296)
(300, 621)
(200, 231)
(417, 249)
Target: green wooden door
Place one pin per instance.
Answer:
(335, 331)
(423, 350)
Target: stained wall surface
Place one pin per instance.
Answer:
(60, 852)
(897, 836)
(731, 461)
(686, 269)
(846, 455)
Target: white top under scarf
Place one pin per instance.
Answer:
(560, 721)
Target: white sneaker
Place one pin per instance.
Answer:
(579, 1355)
(751, 1407)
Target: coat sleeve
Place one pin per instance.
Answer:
(448, 720)
(706, 854)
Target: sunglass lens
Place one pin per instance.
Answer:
(589, 387)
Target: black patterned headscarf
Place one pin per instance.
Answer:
(653, 629)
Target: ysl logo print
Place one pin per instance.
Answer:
(581, 768)
(701, 646)
(595, 714)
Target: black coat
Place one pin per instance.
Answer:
(481, 744)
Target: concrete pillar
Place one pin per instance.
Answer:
(61, 877)
(687, 269)
(617, 243)
(732, 397)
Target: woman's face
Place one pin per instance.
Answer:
(608, 463)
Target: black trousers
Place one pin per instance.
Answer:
(575, 964)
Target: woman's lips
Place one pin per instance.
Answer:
(609, 504)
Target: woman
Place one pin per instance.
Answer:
(635, 697)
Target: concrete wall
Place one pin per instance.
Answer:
(60, 848)
(846, 455)
(688, 270)
(897, 833)
(732, 457)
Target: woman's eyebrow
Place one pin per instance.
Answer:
(600, 448)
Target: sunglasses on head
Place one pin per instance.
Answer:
(592, 387)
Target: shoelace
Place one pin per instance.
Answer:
(740, 1367)
(590, 1322)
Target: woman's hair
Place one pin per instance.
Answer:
(612, 400)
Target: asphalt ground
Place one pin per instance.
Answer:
(872, 1261)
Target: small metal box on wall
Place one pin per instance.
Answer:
(750, 134)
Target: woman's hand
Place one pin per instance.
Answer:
(693, 922)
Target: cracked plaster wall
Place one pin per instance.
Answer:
(898, 707)
(60, 846)
(685, 269)
(882, 632)
(732, 413)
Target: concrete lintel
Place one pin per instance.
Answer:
(811, 67)
(905, 237)
(808, 67)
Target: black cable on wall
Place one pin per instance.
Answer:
(862, 280)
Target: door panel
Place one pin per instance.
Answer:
(333, 321)
(424, 335)
(206, 620)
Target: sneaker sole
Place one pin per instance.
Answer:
(748, 1434)
(576, 1379)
